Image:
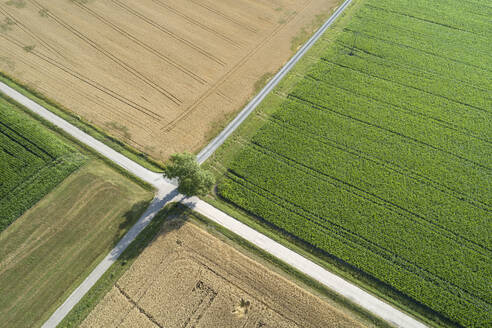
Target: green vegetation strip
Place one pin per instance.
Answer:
(96, 132)
(380, 155)
(33, 160)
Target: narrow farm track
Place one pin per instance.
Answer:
(209, 149)
(167, 192)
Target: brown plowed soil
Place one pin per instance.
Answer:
(189, 278)
(162, 75)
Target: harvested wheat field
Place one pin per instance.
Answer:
(162, 75)
(190, 278)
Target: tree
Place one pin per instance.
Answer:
(192, 179)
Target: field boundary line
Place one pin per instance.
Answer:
(209, 149)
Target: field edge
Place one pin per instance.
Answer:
(79, 144)
(89, 128)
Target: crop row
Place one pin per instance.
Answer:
(460, 16)
(387, 120)
(411, 57)
(399, 191)
(297, 116)
(334, 199)
(473, 98)
(16, 163)
(31, 190)
(389, 148)
(426, 291)
(422, 28)
(446, 45)
(397, 95)
(33, 161)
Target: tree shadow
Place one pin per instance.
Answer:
(145, 223)
(130, 217)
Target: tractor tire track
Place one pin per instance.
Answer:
(112, 57)
(415, 140)
(165, 58)
(88, 81)
(199, 24)
(33, 35)
(173, 35)
(226, 17)
(171, 125)
(404, 171)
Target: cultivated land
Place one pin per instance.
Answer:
(377, 152)
(33, 160)
(164, 76)
(60, 211)
(46, 252)
(187, 277)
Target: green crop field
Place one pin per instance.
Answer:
(381, 154)
(33, 161)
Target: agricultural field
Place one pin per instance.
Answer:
(379, 154)
(61, 211)
(187, 277)
(49, 250)
(33, 161)
(163, 76)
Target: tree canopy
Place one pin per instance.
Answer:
(192, 179)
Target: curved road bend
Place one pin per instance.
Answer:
(166, 192)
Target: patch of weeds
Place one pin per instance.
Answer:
(7, 62)
(16, 3)
(7, 25)
(43, 12)
(306, 32)
(29, 48)
(121, 128)
(262, 81)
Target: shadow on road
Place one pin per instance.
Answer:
(148, 226)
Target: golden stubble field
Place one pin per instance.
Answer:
(189, 278)
(162, 75)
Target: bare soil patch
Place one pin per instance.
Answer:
(159, 74)
(189, 278)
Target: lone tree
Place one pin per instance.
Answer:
(192, 180)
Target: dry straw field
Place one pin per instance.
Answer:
(161, 75)
(189, 278)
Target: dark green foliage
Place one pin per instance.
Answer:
(381, 155)
(193, 180)
(33, 160)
